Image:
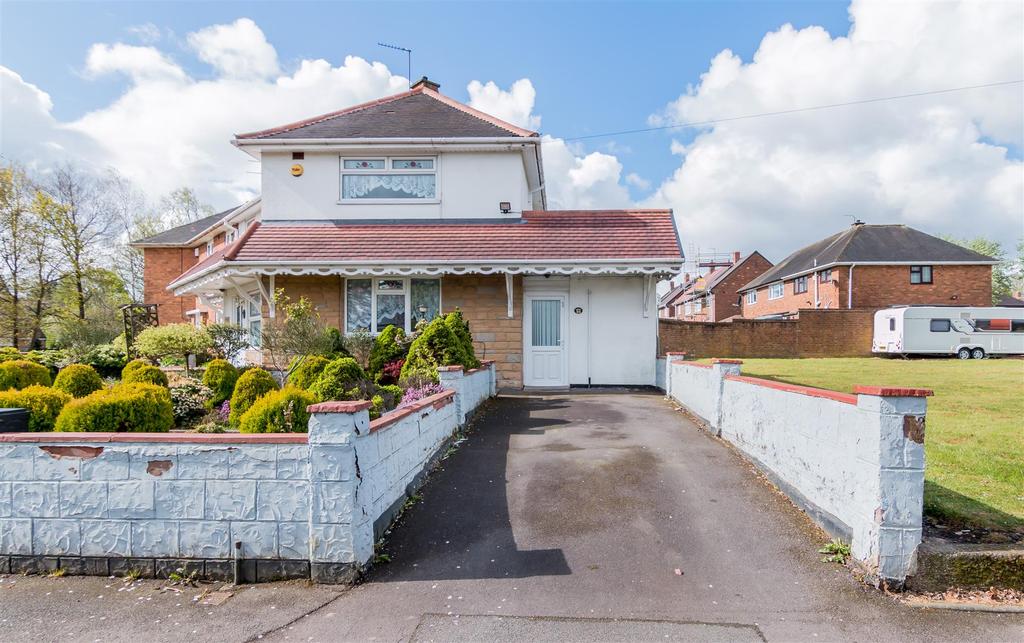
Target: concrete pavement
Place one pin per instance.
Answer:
(562, 517)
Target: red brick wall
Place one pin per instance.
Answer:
(725, 296)
(161, 266)
(881, 287)
(817, 333)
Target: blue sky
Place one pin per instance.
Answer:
(597, 67)
(155, 90)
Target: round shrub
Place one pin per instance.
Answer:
(436, 346)
(282, 411)
(21, 373)
(137, 407)
(251, 386)
(304, 373)
(460, 329)
(144, 374)
(43, 403)
(133, 365)
(220, 377)
(340, 380)
(78, 380)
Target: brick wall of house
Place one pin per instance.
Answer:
(725, 298)
(816, 333)
(162, 265)
(483, 303)
(880, 287)
(324, 292)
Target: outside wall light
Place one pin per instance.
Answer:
(505, 207)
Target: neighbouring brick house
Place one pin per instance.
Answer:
(871, 266)
(402, 208)
(715, 296)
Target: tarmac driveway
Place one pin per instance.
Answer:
(562, 517)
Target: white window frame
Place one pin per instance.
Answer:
(781, 290)
(751, 296)
(388, 160)
(209, 248)
(801, 280)
(406, 290)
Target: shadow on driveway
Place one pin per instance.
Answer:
(462, 528)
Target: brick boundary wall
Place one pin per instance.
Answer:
(816, 333)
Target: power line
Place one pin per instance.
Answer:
(793, 111)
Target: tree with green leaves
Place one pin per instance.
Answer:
(1002, 282)
(15, 213)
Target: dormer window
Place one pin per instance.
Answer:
(388, 179)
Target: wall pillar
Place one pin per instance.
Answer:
(453, 377)
(887, 544)
(721, 368)
(669, 358)
(340, 529)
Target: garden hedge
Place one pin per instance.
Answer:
(341, 379)
(78, 380)
(44, 404)
(305, 372)
(220, 377)
(251, 386)
(144, 408)
(21, 373)
(282, 411)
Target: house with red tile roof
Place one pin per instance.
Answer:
(713, 297)
(403, 208)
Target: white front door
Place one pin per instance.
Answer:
(544, 346)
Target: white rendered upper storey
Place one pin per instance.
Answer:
(414, 155)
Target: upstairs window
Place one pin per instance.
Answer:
(800, 285)
(920, 274)
(751, 296)
(825, 276)
(388, 179)
(776, 290)
(209, 248)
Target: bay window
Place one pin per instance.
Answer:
(372, 304)
(389, 179)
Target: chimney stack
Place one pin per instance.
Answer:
(426, 83)
(736, 256)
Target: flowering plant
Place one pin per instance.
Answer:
(417, 393)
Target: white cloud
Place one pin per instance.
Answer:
(938, 162)
(638, 181)
(238, 50)
(141, 64)
(147, 33)
(514, 105)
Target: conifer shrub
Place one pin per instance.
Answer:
(282, 411)
(251, 386)
(143, 373)
(389, 346)
(341, 379)
(44, 404)
(444, 342)
(138, 407)
(220, 377)
(78, 380)
(305, 369)
(21, 373)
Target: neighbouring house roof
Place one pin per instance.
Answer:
(1010, 300)
(421, 112)
(548, 242)
(706, 283)
(870, 244)
(183, 234)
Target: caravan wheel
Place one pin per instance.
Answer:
(964, 353)
(978, 353)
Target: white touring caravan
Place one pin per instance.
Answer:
(949, 330)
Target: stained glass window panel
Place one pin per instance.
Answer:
(364, 164)
(412, 164)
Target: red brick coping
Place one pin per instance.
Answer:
(339, 407)
(846, 398)
(893, 391)
(177, 437)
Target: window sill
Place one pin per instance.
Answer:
(388, 201)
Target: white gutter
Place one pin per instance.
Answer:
(348, 142)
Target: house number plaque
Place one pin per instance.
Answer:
(578, 310)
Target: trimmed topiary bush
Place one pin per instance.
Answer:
(389, 346)
(460, 329)
(436, 346)
(220, 377)
(78, 380)
(144, 408)
(144, 374)
(134, 364)
(282, 411)
(341, 379)
(306, 369)
(21, 373)
(251, 386)
(43, 403)
(176, 341)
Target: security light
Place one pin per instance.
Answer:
(505, 207)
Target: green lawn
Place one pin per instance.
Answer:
(974, 441)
